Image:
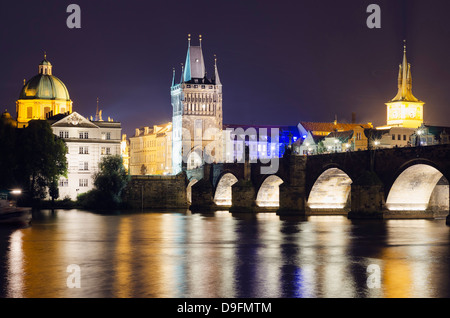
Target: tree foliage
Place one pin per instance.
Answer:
(33, 158)
(109, 182)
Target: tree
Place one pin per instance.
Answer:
(42, 158)
(8, 162)
(109, 182)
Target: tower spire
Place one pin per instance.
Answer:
(404, 71)
(97, 114)
(216, 72)
(404, 80)
(182, 73)
(173, 77)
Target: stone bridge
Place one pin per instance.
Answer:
(409, 182)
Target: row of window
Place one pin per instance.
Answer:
(202, 86)
(81, 183)
(399, 137)
(84, 135)
(47, 110)
(84, 150)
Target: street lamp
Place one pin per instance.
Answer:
(419, 133)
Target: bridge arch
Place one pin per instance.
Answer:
(223, 193)
(331, 190)
(419, 186)
(269, 192)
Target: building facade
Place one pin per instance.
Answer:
(151, 150)
(87, 143)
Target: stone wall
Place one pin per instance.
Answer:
(156, 192)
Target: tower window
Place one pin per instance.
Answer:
(29, 112)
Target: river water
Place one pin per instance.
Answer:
(73, 253)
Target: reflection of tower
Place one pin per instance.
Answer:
(405, 110)
(197, 111)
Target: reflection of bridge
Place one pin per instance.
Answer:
(384, 183)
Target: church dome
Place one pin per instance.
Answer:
(45, 85)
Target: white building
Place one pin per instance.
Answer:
(87, 142)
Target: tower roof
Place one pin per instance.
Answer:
(404, 81)
(195, 65)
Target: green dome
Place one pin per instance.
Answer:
(44, 87)
(45, 62)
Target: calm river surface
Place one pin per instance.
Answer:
(175, 255)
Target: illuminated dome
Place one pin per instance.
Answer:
(42, 97)
(45, 85)
(6, 118)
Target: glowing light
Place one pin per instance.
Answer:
(412, 189)
(16, 191)
(269, 192)
(330, 191)
(223, 193)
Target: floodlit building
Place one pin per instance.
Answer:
(404, 110)
(42, 96)
(45, 97)
(151, 150)
(196, 112)
(87, 142)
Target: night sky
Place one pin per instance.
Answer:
(280, 62)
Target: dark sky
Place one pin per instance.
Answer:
(280, 62)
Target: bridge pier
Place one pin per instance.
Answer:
(243, 197)
(367, 198)
(202, 193)
(293, 190)
(292, 200)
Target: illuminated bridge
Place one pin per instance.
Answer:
(407, 182)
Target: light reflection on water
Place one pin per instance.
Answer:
(223, 255)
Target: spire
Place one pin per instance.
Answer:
(173, 77)
(405, 80)
(195, 65)
(97, 113)
(182, 73)
(216, 72)
(404, 71)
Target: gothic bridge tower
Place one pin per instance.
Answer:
(197, 112)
